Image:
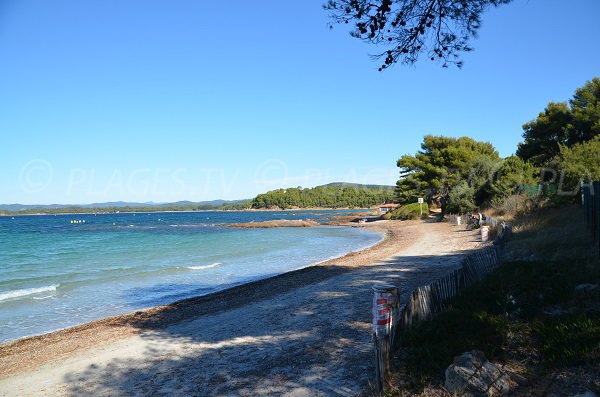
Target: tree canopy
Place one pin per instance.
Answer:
(439, 29)
(563, 124)
(585, 106)
(544, 135)
(582, 161)
(324, 197)
(462, 173)
(440, 165)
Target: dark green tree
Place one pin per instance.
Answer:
(323, 196)
(440, 165)
(439, 29)
(480, 177)
(544, 135)
(510, 175)
(585, 106)
(461, 199)
(562, 124)
(582, 161)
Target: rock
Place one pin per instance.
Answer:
(276, 223)
(472, 375)
(518, 379)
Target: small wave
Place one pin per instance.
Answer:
(191, 225)
(18, 293)
(41, 298)
(217, 264)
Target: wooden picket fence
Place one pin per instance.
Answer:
(461, 219)
(427, 300)
(590, 195)
(433, 298)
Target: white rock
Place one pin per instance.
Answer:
(472, 375)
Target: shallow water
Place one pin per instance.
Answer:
(63, 270)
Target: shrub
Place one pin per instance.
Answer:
(569, 340)
(434, 343)
(461, 199)
(408, 211)
(511, 205)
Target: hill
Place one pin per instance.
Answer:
(358, 186)
(122, 207)
(333, 195)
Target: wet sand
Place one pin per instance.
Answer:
(302, 333)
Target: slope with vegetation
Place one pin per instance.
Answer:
(338, 195)
(184, 206)
(333, 195)
(538, 314)
(560, 148)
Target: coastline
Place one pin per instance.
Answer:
(192, 211)
(272, 334)
(180, 310)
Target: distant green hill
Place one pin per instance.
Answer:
(358, 186)
(119, 206)
(332, 195)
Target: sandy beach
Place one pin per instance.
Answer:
(303, 333)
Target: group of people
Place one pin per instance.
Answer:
(475, 219)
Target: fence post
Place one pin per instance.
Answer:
(485, 232)
(385, 317)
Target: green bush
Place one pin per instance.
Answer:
(461, 199)
(570, 339)
(509, 301)
(408, 211)
(433, 344)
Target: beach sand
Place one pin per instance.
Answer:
(303, 333)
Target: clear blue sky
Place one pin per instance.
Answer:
(105, 100)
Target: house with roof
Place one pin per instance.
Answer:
(388, 207)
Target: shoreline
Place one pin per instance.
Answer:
(183, 309)
(305, 332)
(217, 290)
(191, 211)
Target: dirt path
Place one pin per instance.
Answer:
(312, 339)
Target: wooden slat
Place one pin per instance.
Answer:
(433, 298)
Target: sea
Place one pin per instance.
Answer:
(58, 271)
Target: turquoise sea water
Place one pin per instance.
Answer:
(55, 273)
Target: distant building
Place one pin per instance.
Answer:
(388, 207)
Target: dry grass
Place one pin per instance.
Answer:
(527, 315)
(551, 233)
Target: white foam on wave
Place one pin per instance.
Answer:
(41, 298)
(18, 293)
(217, 264)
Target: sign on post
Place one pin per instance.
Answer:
(420, 201)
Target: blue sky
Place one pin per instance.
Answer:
(104, 100)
